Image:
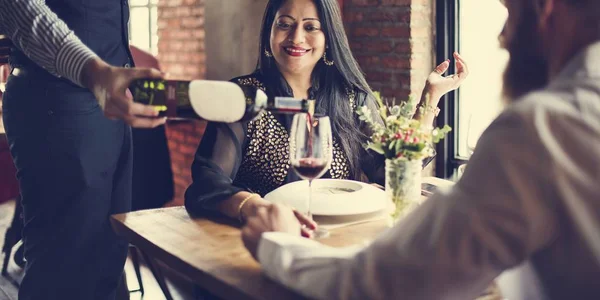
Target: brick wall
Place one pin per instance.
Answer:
(393, 42)
(181, 54)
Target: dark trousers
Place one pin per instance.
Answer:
(74, 169)
(152, 174)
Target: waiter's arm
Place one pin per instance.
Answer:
(44, 38)
(48, 41)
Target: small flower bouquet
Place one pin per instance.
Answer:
(404, 142)
(400, 136)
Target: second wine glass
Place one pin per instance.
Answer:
(311, 145)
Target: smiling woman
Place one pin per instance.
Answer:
(304, 53)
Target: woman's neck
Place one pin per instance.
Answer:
(299, 84)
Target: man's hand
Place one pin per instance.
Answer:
(110, 84)
(5, 45)
(275, 217)
(251, 208)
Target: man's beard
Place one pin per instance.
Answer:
(527, 69)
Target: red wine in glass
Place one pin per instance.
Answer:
(310, 168)
(310, 152)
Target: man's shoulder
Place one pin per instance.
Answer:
(553, 111)
(526, 114)
(547, 102)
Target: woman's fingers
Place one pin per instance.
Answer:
(443, 67)
(461, 66)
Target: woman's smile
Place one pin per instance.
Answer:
(296, 51)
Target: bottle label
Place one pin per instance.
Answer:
(169, 97)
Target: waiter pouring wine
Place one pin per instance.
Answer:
(67, 120)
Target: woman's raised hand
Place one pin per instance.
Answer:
(438, 85)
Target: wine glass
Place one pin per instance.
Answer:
(472, 136)
(470, 143)
(311, 152)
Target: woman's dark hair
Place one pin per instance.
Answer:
(332, 82)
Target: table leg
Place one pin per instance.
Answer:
(133, 251)
(155, 269)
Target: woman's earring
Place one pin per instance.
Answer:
(268, 53)
(326, 61)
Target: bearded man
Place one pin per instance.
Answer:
(527, 206)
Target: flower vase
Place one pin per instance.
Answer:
(403, 186)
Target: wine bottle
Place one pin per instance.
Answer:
(217, 101)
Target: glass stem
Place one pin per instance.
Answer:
(309, 212)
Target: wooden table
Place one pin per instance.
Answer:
(211, 254)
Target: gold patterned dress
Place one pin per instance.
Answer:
(252, 156)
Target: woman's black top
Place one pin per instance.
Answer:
(254, 156)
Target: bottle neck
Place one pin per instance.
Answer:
(290, 105)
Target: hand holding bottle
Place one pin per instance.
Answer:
(109, 84)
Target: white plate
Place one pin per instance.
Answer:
(331, 197)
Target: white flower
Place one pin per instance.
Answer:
(365, 110)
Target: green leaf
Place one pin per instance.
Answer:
(378, 98)
(399, 145)
(376, 147)
(392, 145)
(382, 107)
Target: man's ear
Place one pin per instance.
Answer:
(544, 10)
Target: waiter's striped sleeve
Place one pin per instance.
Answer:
(44, 38)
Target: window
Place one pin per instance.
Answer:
(479, 99)
(471, 27)
(143, 27)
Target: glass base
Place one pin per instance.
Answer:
(321, 233)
